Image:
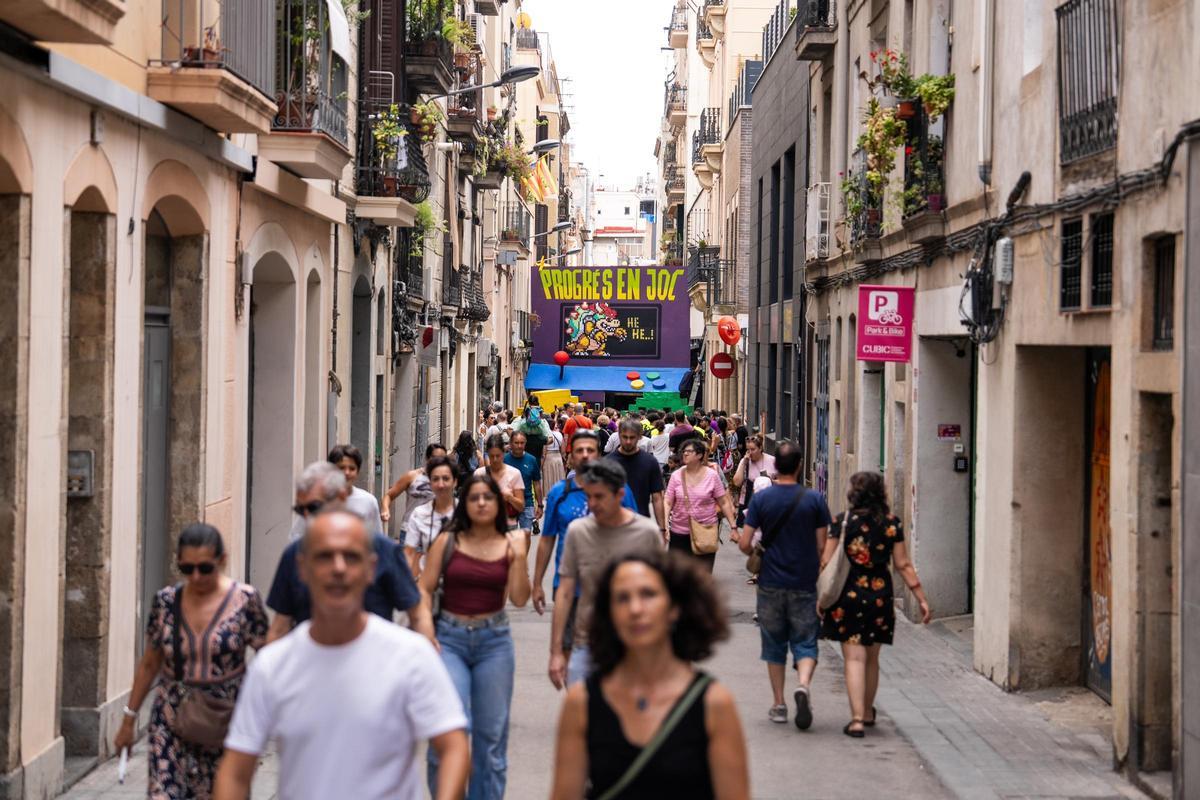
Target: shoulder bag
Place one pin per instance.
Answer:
(833, 577)
(706, 538)
(754, 562)
(436, 600)
(665, 730)
(200, 719)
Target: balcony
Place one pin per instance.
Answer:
(308, 136)
(463, 122)
(64, 21)
(672, 249)
(515, 225)
(700, 167)
(713, 12)
(706, 45)
(474, 301)
(489, 8)
(410, 265)
(864, 212)
(218, 63)
(428, 57)
(677, 33)
(527, 39)
(712, 139)
(816, 242)
(673, 182)
(924, 200)
(392, 175)
(452, 280)
(816, 30)
(676, 106)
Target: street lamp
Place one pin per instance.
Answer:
(511, 75)
(544, 146)
(559, 228)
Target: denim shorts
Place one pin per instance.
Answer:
(787, 617)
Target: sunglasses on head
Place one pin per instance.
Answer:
(305, 509)
(204, 568)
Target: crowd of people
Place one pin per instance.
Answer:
(629, 509)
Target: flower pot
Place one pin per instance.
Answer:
(391, 186)
(935, 202)
(462, 60)
(887, 101)
(906, 108)
(204, 56)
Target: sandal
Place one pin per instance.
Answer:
(854, 734)
(871, 722)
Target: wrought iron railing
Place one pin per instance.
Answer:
(673, 253)
(669, 159)
(702, 29)
(678, 20)
(673, 179)
(776, 27)
(710, 126)
(722, 284)
(380, 175)
(864, 203)
(743, 90)
(410, 261)
(816, 14)
(701, 266)
(924, 157)
(1088, 63)
(310, 76)
(676, 98)
(451, 277)
(696, 157)
(516, 222)
(527, 39)
(237, 35)
(474, 303)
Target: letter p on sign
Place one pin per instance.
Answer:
(880, 302)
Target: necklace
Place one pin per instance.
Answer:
(642, 703)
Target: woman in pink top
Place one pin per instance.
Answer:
(706, 494)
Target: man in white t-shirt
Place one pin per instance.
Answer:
(346, 696)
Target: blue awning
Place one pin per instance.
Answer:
(603, 379)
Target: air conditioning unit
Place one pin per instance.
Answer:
(478, 27)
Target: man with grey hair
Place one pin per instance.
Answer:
(320, 487)
(611, 531)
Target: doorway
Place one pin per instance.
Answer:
(361, 373)
(1097, 572)
(942, 473)
(272, 409)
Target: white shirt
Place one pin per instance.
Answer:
(364, 504)
(346, 719)
(660, 447)
(423, 527)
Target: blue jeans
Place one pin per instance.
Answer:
(579, 665)
(787, 618)
(525, 519)
(480, 659)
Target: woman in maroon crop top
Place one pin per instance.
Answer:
(486, 568)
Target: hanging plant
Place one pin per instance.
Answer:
(424, 223)
(427, 116)
(936, 93)
(388, 133)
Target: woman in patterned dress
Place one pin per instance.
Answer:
(221, 619)
(864, 617)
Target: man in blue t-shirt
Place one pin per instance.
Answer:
(321, 486)
(794, 522)
(566, 503)
(531, 473)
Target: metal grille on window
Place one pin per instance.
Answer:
(1102, 260)
(1071, 287)
(1164, 293)
(1088, 52)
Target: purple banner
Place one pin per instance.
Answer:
(611, 316)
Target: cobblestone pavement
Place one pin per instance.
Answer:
(944, 731)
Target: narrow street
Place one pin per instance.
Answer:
(944, 731)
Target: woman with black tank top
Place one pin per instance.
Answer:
(647, 724)
(483, 569)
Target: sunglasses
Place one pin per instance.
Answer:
(204, 568)
(305, 509)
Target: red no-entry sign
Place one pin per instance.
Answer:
(721, 365)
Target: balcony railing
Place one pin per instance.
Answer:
(679, 25)
(702, 263)
(410, 262)
(1088, 62)
(864, 209)
(817, 14)
(451, 277)
(743, 91)
(673, 179)
(237, 35)
(924, 156)
(474, 302)
(310, 75)
(404, 175)
(673, 253)
(516, 222)
(776, 27)
(527, 39)
(710, 126)
(722, 284)
(816, 243)
(703, 32)
(676, 98)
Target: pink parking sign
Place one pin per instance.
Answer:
(885, 323)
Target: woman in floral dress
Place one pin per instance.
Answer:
(864, 616)
(221, 619)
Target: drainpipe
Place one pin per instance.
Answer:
(841, 96)
(987, 34)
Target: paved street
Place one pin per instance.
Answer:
(944, 732)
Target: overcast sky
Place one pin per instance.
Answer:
(611, 52)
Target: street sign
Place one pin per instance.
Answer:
(721, 366)
(885, 325)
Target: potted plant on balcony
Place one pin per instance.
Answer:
(388, 133)
(424, 25)
(936, 93)
(208, 54)
(461, 37)
(427, 116)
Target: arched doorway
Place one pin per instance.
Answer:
(361, 372)
(91, 280)
(314, 379)
(272, 382)
(174, 255)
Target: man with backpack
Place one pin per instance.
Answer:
(794, 523)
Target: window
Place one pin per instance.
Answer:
(785, 420)
(1164, 293)
(758, 248)
(1102, 260)
(627, 211)
(772, 386)
(774, 243)
(1070, 288)
(789, 219)
(851, 382)
(1087, 78)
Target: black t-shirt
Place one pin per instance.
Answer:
(643, 475)
(742, 435)
(393, 587)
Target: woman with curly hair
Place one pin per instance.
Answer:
(864, 618)
(647, 724)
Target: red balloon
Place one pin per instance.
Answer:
(561, 358)
(728, 330)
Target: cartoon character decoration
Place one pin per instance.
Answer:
(589, 328)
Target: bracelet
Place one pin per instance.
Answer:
(129, 712)
(915, 586)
